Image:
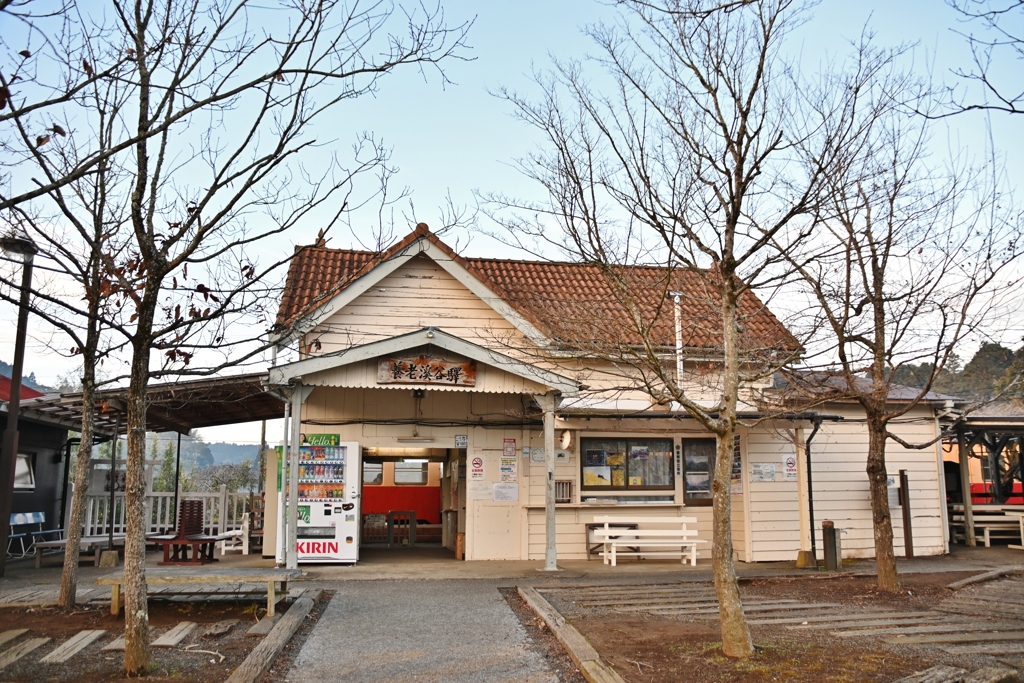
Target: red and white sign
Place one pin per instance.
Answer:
(476, 467)
(789, 467)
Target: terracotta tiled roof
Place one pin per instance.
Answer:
(575, 304)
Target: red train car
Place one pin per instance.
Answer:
(412, 484)
(981, 494)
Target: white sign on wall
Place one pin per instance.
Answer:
(762, 471)
(505, 493)
(789, 467)
(462, 440)
(476, 468)
(478, 490)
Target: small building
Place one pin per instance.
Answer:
(421, 355)
(42, 446)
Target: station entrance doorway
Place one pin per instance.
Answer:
(413, 498)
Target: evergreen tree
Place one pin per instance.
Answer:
(165, 479)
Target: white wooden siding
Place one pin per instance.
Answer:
(418, 294)
(841, 493)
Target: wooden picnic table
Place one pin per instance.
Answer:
(94, 544)
(205, 575)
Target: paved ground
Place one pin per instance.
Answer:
(407, 631)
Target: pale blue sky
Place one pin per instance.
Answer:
(460, 139)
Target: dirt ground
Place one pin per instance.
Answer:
(542, 639)
(652, 649)
(185, 662)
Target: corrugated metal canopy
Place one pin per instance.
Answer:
(173, 406)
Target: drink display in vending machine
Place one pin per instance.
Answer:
(328, 520)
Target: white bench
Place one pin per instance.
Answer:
(987, 526)
(990, 520)
(671, 537)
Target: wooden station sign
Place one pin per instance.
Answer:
(426, 370)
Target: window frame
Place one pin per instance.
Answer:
(629, 442)
(373, 483)
(701, 501)
(30, 466)
(424, 468)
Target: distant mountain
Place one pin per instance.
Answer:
(6, 369)
(227, 453)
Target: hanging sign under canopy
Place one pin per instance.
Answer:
(424, 369)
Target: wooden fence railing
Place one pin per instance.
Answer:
(222, 511)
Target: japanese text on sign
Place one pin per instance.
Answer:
(426, 370)
(476, 468)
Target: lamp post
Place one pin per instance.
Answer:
(21, 246)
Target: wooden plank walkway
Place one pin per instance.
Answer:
(8, 636)
(982, 618)
(175, 635)
(72, 646)
(15, 653)
(40, 596)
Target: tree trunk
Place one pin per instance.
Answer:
(136, 609)
(888, 579)
(736, 640)
(69, 576)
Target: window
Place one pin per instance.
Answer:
(698, 468)
(24, 473)
(626, 464)
(373, 473)
(414, 473)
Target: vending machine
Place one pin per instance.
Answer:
(328, 506)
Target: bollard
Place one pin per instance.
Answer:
(828, 539)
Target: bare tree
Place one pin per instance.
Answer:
(681, 157)
(996, 38)
(213, 152)
(911, 255)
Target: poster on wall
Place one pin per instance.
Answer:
(762, 471)
(596, 470)
(737, 469)
(508, 469)
(505, 493)
(508, 448)
(478, 490)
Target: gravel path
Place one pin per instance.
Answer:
(419, 631)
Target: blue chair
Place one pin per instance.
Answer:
(26, 529)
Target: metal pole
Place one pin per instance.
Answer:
(908, 535)
(676, 298)
(262, 473)
(177, 475)
(113, 481)
(810, 485)
(9, 453)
